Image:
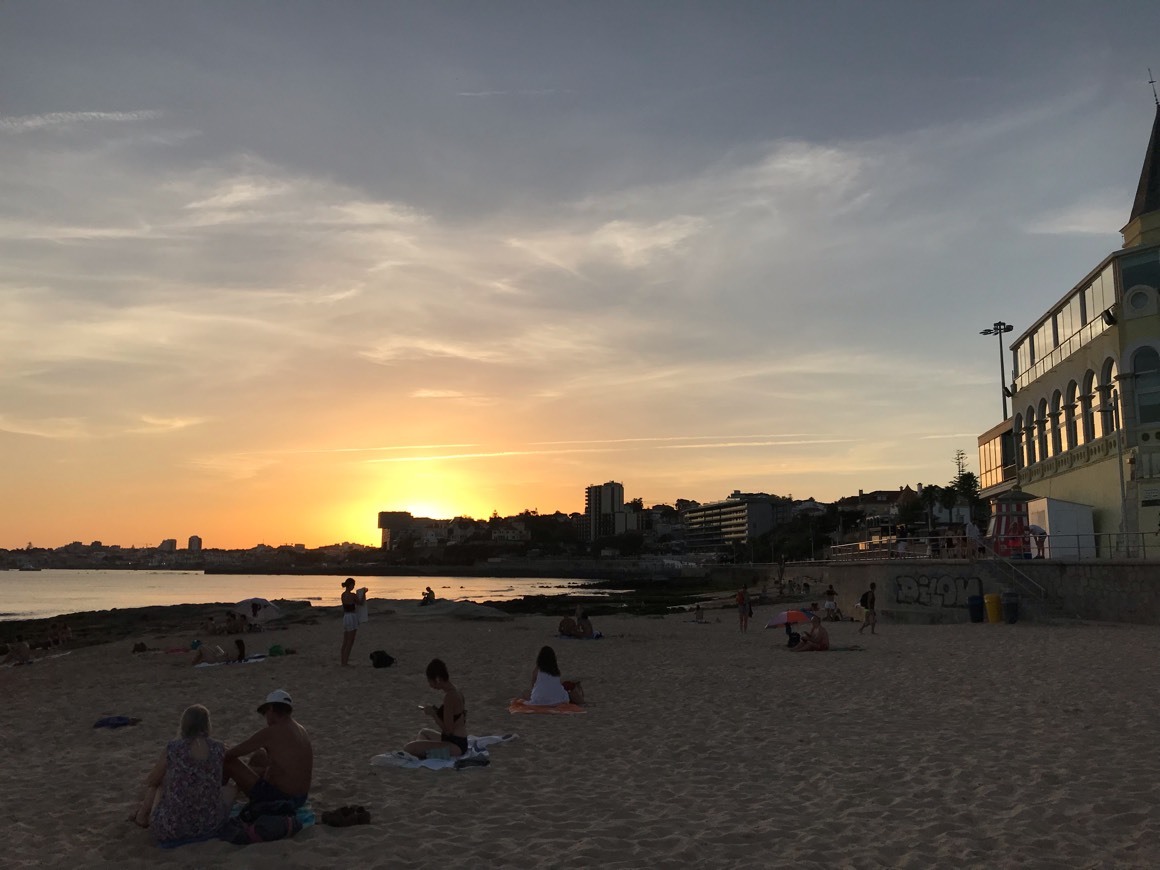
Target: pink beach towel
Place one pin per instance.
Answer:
(519, 705)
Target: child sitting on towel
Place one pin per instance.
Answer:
(547, 688)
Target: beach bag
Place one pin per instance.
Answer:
(382, 659)
(262, 823)
(864, 601)
(794, 639)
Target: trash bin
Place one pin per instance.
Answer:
(975, 608)
(1010, 607)
(994, 607)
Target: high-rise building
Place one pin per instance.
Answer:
(194, 544)
(169, 545)
(395, 526)
(602, 503)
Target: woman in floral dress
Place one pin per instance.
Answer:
(183, 792)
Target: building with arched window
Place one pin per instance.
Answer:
(1086, 384)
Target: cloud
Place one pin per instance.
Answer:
(27, 123)
(526, 92)
(1094, 218)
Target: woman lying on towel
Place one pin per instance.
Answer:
(547, 688)
(817, 638)
(215, 654)
(450, 716)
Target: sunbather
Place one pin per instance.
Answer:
(450, 716)
(816, 639)
(183, 792)
(547, 687)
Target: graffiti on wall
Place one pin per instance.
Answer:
(934, 591)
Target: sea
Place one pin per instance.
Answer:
(48, 593)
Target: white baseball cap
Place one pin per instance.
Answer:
(278, 696)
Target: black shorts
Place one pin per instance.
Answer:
(455, 740)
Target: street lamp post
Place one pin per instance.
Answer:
(998, 329)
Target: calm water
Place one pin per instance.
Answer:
(39, 594)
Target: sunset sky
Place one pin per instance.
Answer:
(267, 268)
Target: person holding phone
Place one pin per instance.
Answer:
(450, 717)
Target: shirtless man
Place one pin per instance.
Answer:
(281, 750)
(817, 638)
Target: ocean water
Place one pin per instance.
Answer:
(43, 594)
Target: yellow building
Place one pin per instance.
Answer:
(1086, 385)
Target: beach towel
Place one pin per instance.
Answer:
(519, 705)
(476, 756)
(40, 659)
(249, 660)
(115, 722)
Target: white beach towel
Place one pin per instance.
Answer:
(361, 608)
(476, 749)
(249, 661)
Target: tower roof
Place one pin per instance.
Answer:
(1148, 193)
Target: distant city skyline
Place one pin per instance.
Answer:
(267, 269)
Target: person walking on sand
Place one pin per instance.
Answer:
(870, 612)
(282, 764)
(743, 608)
(349, 619)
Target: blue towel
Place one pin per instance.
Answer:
(115, 722)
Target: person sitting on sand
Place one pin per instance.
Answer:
(547, 688)
(450, 717)
(183, 792)
(428, 597)
(19, 653)
(698, 614)
(215, 654)
(281, 765)
(816, 639)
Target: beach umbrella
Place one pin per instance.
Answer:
(257, 609)
(788, 617)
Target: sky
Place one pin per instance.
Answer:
(268, 268)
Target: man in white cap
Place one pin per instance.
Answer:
(283, 759)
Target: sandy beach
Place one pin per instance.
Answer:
(937, 746)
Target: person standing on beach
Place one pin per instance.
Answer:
(743, 608)
(870, 614)
(349, 619)
(283, 757)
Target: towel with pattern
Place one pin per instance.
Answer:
(519, 705)
(476, 756)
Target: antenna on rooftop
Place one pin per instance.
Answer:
(1152, 82)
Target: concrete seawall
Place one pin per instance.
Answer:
(932, 591)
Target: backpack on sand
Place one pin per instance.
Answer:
(382, 659)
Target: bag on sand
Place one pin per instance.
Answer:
(382, 659)
(262, 823)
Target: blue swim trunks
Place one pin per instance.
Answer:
(264, 792)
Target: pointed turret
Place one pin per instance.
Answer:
(1143, 227)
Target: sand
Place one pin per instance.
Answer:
(969, 745)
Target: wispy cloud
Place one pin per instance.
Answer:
(27, 123)
(524, 92)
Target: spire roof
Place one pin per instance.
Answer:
(1148, 193)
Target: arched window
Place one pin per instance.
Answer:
(1087, 404)
(1029, 435)
(1070, 429)
(1146, 368)
(1053, 423)
(1041, 422)
(1017, 439)
(1109, 399)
